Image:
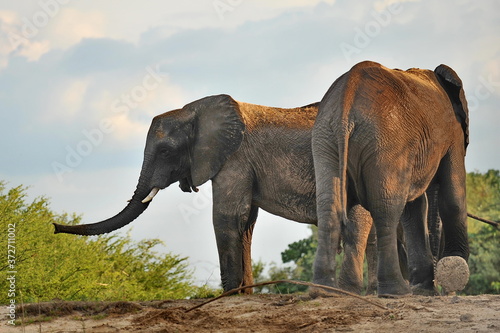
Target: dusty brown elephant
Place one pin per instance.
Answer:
(380, 139)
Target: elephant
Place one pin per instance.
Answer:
(263, 154)
(255, 156)
(381, 138)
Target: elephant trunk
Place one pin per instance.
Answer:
(138, 204)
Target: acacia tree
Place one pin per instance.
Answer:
(72, 267)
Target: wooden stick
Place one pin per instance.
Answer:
(302, 283)
(493, 223)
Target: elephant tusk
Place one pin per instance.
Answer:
(151, 195)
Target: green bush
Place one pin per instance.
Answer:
(483, 199)
(70, 267)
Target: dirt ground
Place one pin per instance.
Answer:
(268, 313)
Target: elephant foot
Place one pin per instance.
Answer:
(393, 290)
(247, 291)
(372, 288)
(452, 274)
(424, 289)
(315, 292)
(354, 288)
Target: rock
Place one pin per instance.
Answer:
(467, 317)
(452, 273)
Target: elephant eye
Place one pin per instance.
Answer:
(164, 152)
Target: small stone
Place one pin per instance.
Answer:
(466, 317)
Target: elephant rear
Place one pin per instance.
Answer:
(384, 135)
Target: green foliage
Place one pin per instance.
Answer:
(275, 273)
(483, 199)
(70, 267)
(483, 196)
(299, 257)
(302, 254)
(206, 291)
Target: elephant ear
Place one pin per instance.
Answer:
(452, 84)
(218, 133)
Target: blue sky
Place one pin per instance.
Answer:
(81, 80)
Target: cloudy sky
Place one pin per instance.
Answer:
(81, 80)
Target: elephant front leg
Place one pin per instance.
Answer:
(230, 248)
(247, 251)
(234, 220)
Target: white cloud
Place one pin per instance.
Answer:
(72, 98)
(34, 50)
(70, 26)
(130, 107)
(383, 4)
(34, 35)
(126, 130)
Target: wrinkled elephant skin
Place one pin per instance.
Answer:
(382, 137)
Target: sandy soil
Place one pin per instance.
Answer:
(268, 313)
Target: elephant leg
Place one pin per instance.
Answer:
(371, 260)
(386, 213)
(231, 218)
(402, 255)
(247, 253)
(355, 235)
(452, 271)
(230, 248)
(390, 279)
(453, 206)
(420, 260)
(329, 211)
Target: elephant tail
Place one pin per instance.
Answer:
(347, 99)
(346, 129)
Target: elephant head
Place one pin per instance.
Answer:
(189, 145)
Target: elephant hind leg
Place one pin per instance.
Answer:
(386, 205)
(247, 252)
(371, 261)
(390, 279)
(355, 235)
(329, 212)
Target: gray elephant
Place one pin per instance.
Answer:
(256, 156)
(282, 183)
(382, 137)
